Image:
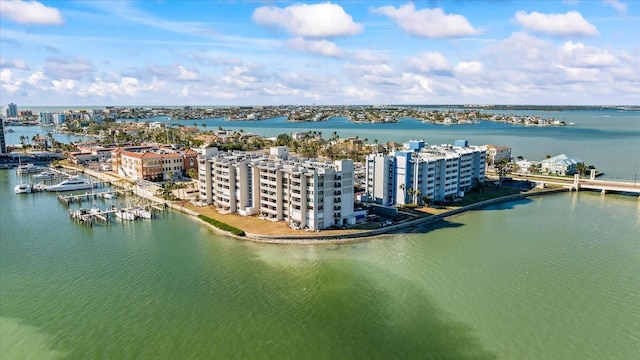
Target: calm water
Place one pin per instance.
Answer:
(551, 278)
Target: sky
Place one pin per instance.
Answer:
(162, 52)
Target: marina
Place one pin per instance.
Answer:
(554, 276)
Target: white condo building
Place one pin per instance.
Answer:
(437, 172)
(304, 193)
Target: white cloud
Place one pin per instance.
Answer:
(13, 64)
(64, 85)
(367, 56)
(68, 67)
(316, 20)
(579, 74)
(619, 7)
(36, 78)
(468, 68)
(429, 23)
(360, 93)
(30, 12)
(429, 62)
(570, 24)
(6, 75)
(321, 47)
(186, 74)
(129, 86)
(579, 55)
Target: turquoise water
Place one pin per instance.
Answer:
(556, 277)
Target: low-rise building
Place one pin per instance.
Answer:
(496, 153)
(152, 163)
(560, 165)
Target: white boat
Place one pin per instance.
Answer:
(22, 189)
(95, 210)
(124, 214)
(75, 183)
(108, 196)
(45, 175)
(28, 169)
(140, 212)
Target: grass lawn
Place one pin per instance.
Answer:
(489, 192)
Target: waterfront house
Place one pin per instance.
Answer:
(560, 165)
(496, 153)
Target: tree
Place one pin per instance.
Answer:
(426, 199)
(410, 192)
(477, 185)
(581, 168)
(192, 173)
(23, 140)
(502, 167)
(166, 191)
(51, 139)
(283, 140)
(34, 139)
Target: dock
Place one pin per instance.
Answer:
(78, 198)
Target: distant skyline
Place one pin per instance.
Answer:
(75, 53)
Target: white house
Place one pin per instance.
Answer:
(560, 165)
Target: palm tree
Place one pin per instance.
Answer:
(410, 192)
(34, 139)
(402, 187)
(426, 199)
(50, 136)
(23, 140)
(166, 191)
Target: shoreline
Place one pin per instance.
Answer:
(336, 237)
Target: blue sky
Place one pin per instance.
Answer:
(342, 52)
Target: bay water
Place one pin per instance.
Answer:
(555, 277)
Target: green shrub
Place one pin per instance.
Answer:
(410, 206)
(221, 225)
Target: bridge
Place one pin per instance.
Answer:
(591, 183)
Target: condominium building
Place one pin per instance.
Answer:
(10, 110)
(419, 172)
(304, 193)
(3, 144)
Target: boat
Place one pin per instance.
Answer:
(45, 175)
(75, 183)
(28, 169)
(124, 215)
(108, 196)
(95, 210)
(22, 189)
(572, 124)
(141, 212)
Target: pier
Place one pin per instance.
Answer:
(69, 199)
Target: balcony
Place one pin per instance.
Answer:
(336, 215)
(337, 208)
(337, 193)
